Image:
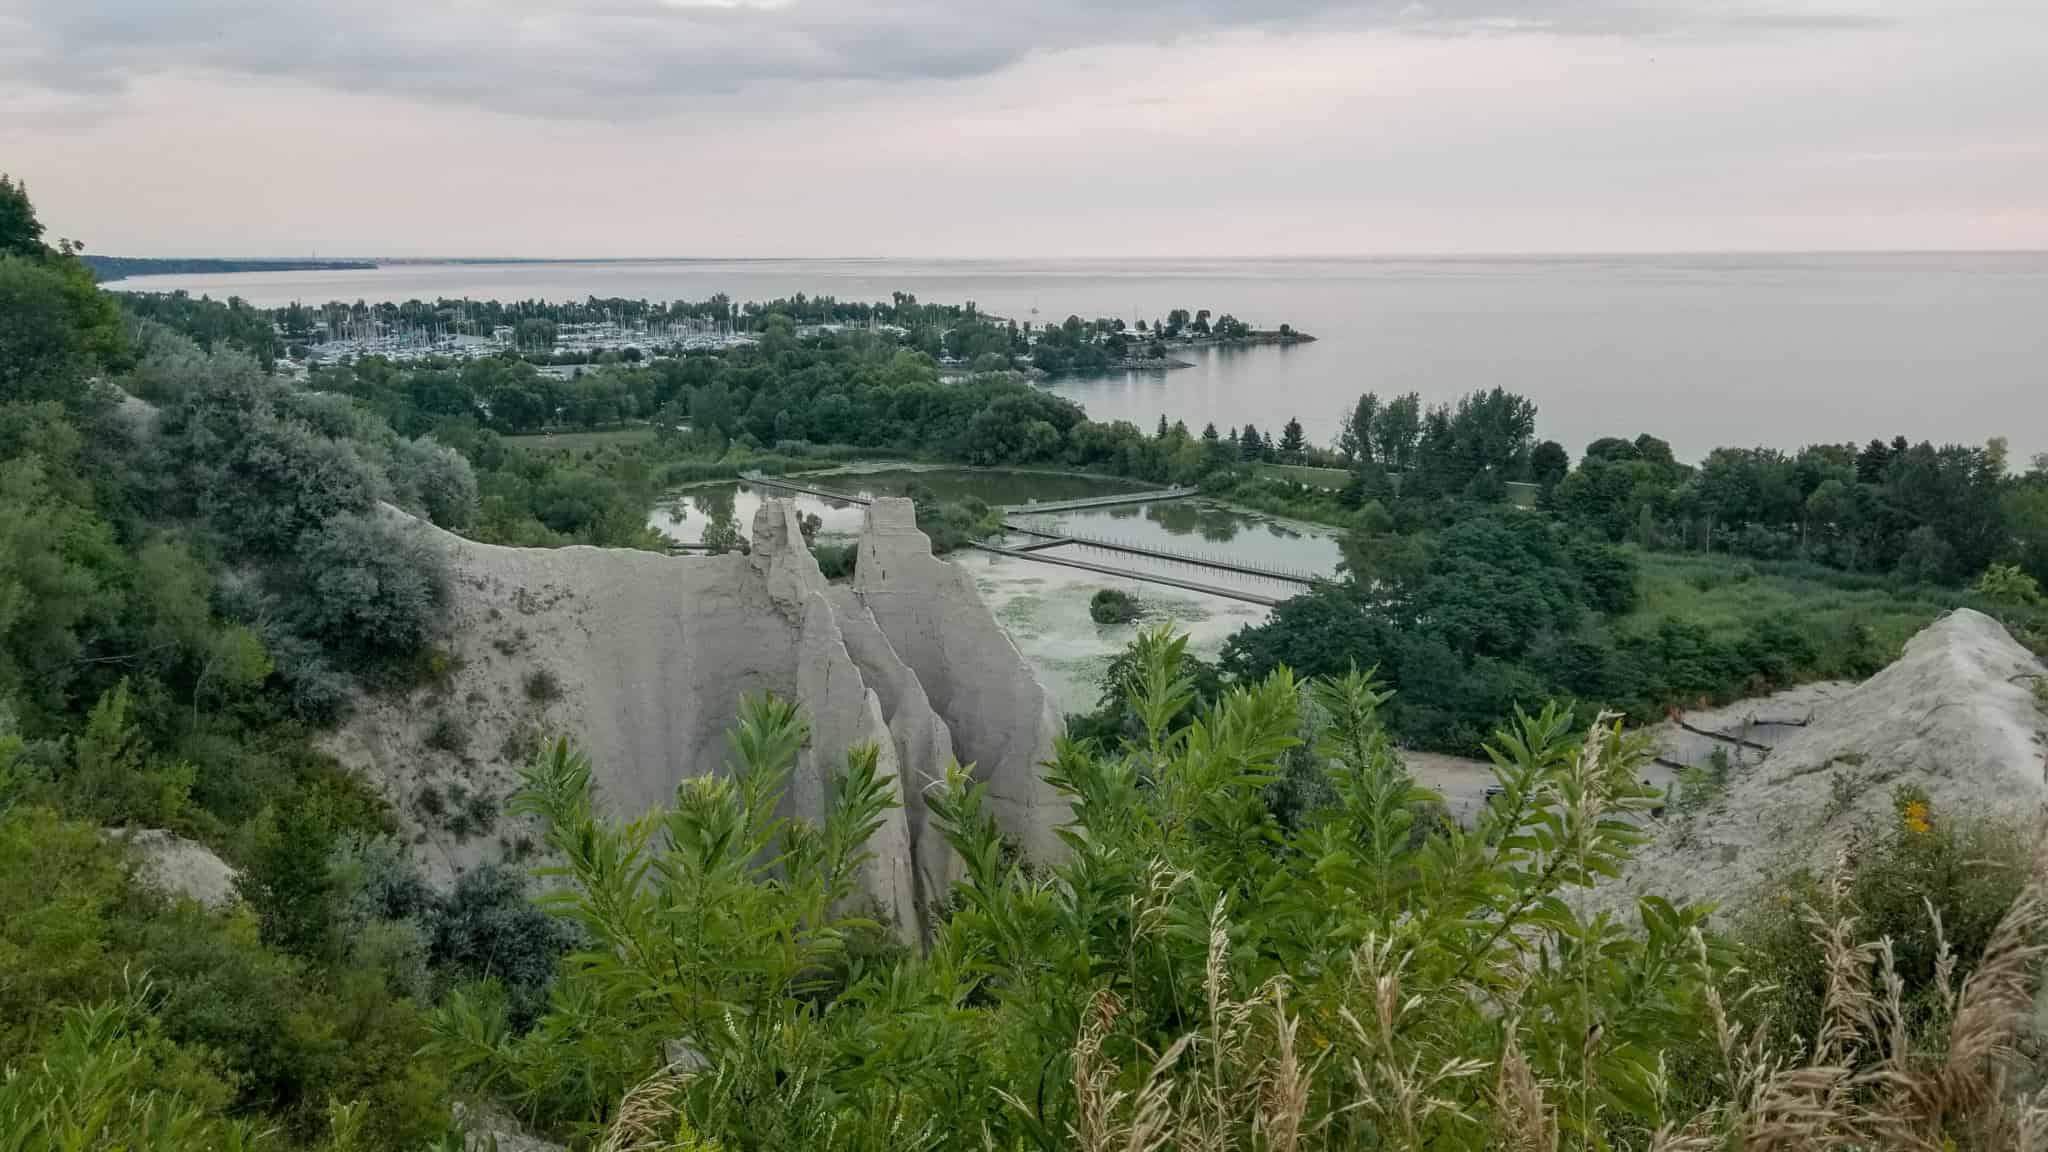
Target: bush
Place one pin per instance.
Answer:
(543, 686)
(836, 561)
(437, 480)
(488, 929)
(1968, 868)
(2007, 584)
(372, 589)
(1114, 606)
(1358, 975)
(265, 478)
(448, 733)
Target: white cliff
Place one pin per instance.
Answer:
(642, 659)
(1003, 720)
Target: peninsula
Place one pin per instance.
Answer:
(108, 268)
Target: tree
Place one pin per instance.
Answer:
(1291, 440)
(56, 329)
(1396, 432)
(435, 479)
(1549, 463)
(375, 589)
(1872, 462)
(1356, 440)
(21, 234)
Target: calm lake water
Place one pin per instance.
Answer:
(1702, 350)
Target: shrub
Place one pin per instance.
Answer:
(430, 801)
(2007, 584)
(265, 478)
(543, 686)
(1114, 606)
(836, 561)
(489, 929)
(1966, 868)
(372, 589)
(1318, 977)
(448, 733)
(1702, 785)
(434, 479)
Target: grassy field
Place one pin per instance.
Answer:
(1728, 595)
(1332, 478)
(574, 442)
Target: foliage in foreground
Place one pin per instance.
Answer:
(1197, 975)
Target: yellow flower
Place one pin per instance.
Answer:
(1916, 817)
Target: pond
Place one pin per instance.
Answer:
(1044, 607)
(1201, 529)
(685, 514)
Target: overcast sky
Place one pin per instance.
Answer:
(1027, 127)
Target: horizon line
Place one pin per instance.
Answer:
(1522, 254)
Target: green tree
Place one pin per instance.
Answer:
(1397, 431)
(1291, 439)
(21, 234)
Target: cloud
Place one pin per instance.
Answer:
(624, 60)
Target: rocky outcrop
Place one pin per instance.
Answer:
(923, 742)
(642, 660)
(176, 866)
(1957, 715)
(1003, 721)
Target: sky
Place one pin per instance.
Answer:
(1045, 128)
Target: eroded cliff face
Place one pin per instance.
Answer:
(642, 659)
(1003, 720)
(1955, 716)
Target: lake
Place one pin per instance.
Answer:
(1701, 350)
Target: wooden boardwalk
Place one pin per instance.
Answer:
(772, 482)
(1054, 539)
(1103, 501)
(1149, 577)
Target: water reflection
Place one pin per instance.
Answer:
(1191, 526)
(685, 516)
(1203, 529)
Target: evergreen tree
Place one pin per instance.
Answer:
(1291, 439)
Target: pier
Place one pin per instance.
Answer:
(1055, 539)
(786, 486)
(1102, 501)
(1150, 577)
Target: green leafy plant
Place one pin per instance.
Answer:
(1114, 606)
